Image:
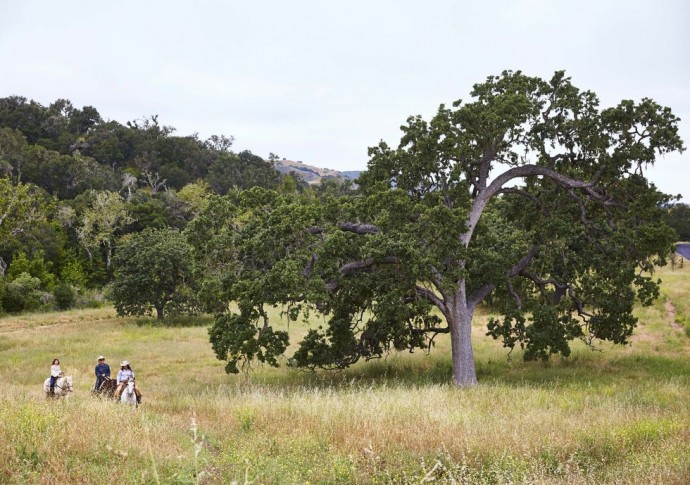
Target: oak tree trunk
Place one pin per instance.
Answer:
(460, 322)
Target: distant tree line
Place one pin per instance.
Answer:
(74, 186)
(678, 217)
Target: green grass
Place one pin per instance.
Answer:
(621, 415)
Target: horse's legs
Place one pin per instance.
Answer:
(118, 391)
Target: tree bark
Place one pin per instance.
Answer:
(460, 322)
(159, 312)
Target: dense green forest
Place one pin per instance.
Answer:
(74, 184)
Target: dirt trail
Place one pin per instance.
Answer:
(11, 326)
(671, 314)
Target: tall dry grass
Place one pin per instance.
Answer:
(617, 416)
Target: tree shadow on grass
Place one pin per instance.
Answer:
(593, 370)
(437, 370)
(178, 321)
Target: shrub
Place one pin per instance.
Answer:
(89, 299)
(64, 296)
(22, 294)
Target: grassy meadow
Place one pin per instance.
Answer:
(619, 416)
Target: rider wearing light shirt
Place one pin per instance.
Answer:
(125, 374)
(55, 372)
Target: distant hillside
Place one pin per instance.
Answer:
(312, 174)
(351, 174)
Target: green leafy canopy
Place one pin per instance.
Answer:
(528, 199)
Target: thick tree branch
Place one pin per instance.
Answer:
(478, 295)
(522, 171)
(436, 277)
(366, 263)
(354, 266)
(524, 262)
(359, 228)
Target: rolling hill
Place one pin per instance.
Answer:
(312, 174)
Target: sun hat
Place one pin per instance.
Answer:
(100, 357)
(124, 363)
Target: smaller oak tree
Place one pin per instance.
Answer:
(154, 269)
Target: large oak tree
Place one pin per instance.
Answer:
(529, 198)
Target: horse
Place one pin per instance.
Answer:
(107, 388)
(128, 395)
(63, 386)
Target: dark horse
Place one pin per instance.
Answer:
(106, 389)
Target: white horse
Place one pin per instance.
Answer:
(63, 386)
(128, 395)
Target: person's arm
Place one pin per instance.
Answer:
(107, 370)
(119, 376)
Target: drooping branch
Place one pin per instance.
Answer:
(560, 287)
(478, 295)
(432, 298)
(352, 267)
(306, 272)
(516, 297)
(523, 193)
(581, 205)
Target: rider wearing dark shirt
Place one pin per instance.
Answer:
(102, 371)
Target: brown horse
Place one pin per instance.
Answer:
(106, 389)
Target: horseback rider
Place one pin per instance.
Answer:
(102, 372)
(125, 374)
(55, 372)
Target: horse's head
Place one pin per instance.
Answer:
(69, 384)
(130, 386)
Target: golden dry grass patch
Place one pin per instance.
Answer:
(592, 418)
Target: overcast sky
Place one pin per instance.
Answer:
(321, 81)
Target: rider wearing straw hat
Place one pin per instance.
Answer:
(125, 374)
(102, 372)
